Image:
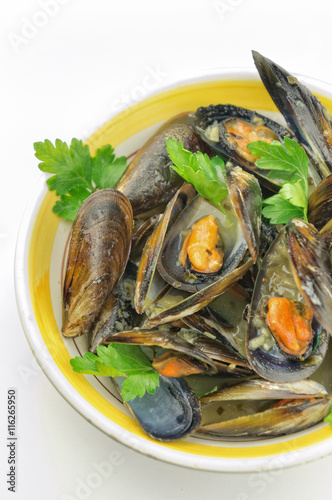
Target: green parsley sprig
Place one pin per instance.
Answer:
(118, 360)
(287, 162)
(328, 419)
(76, 173)
(207, 175)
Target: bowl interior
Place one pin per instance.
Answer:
(45, 238)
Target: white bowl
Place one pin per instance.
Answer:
(38, 262)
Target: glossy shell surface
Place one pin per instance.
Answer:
(266, 357)
(98, 253)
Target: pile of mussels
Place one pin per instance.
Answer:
(233, 307)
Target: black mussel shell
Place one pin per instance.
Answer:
(98, 253)
(149, 181)
(221, 114)
(170, 413)
(310, 121)
(184, 277)
(276, 279)
(118, 312)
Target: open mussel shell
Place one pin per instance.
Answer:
(176, 304)
(174, 364)
(166, 340)
(225, 359)
(309, 255)
(246, 197)
(224, 319)
(234, 245)
(310, 121)
(320, 204)
(170, 413)
(238, 225)
(149, 180)
(290, 416)
(148, 284)
(269, 233)
(211, 123)
(141, 232)
(326, 233)
(204, 351)
(118, 312)
(98, 253)
(276, 279)
(259, 389)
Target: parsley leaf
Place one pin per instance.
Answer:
(119, 360)
(127, 359)
(287, 162)
(68, 205)
(290, 163)
(76, 173)
(106, 170)
(137, 385)
(206, 175)
(71, 165)
(86, 364)
(90, 364)
(295, 194)
(328, 418)
(279, 210)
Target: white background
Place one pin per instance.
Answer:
(64, 78)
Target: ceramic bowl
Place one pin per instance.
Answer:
(38, 265)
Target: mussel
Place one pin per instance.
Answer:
(146, 293)
(246, 196)
(118, 312)
(224, 319)
(149, 181)
(274, 359)
(311, 264)
(227, 129)
(141, 232)
(246, 409)
(259, 389)
(166, 340)
(320, 204)
(98, 253)
(184, 275)
(170, 413)
(176, 304)
(185, 351)
(161, 256)
(308, 119)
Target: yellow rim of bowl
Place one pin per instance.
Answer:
(246, 93)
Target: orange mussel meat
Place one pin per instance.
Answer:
(290, 323)
(200, 246)
(172, 364)
(241, 133)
